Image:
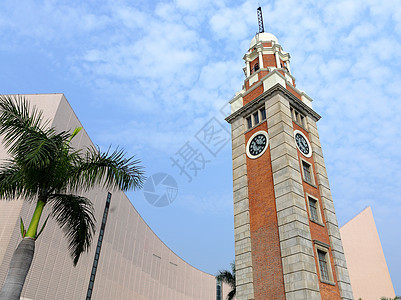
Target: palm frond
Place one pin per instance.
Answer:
(13, 182)
(112, 170)
(74, 214)
(226, 276)
(74, 133)
(232, 265)
(18, 120)
(231, 294)
(58, 170)
(39, 151)
(26, 135)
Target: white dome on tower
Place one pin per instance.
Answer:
(264, 37)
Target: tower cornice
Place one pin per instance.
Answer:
(265, 96)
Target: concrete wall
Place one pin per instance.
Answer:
(134, 263)
(370, 278)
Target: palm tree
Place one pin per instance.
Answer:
(229, 278)
(46, 169)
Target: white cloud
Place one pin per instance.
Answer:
(232, 24)
(130, 17)
(195, 5)
(341, 14)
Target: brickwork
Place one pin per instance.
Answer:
(269, 60)
(292, 91)
(263, 74)
(253, 94)
(266, 254)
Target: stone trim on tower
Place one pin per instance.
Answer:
(300, 277)
(268, 93)
(340, 264)
(242, 235)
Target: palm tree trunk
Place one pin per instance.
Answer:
(22, 259)
(18, 270)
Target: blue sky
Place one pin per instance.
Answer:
(149, 75)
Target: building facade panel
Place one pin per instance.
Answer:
(368, 272)
(134, 263)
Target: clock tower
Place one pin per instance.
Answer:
(287, 241)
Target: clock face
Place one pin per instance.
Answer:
(257, 144)
(302, 143)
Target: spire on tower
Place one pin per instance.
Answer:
(260, 20)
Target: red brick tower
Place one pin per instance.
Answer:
(287, 241)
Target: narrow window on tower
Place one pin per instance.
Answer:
(302, 120)
(324, 272)
(263, 114)
(323, 260)
(285, 66)
(256, 118)
(249, 122)
(297, 117)
(307, 172)
(256, 67)
(314, 210)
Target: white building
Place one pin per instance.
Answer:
(133, 262)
